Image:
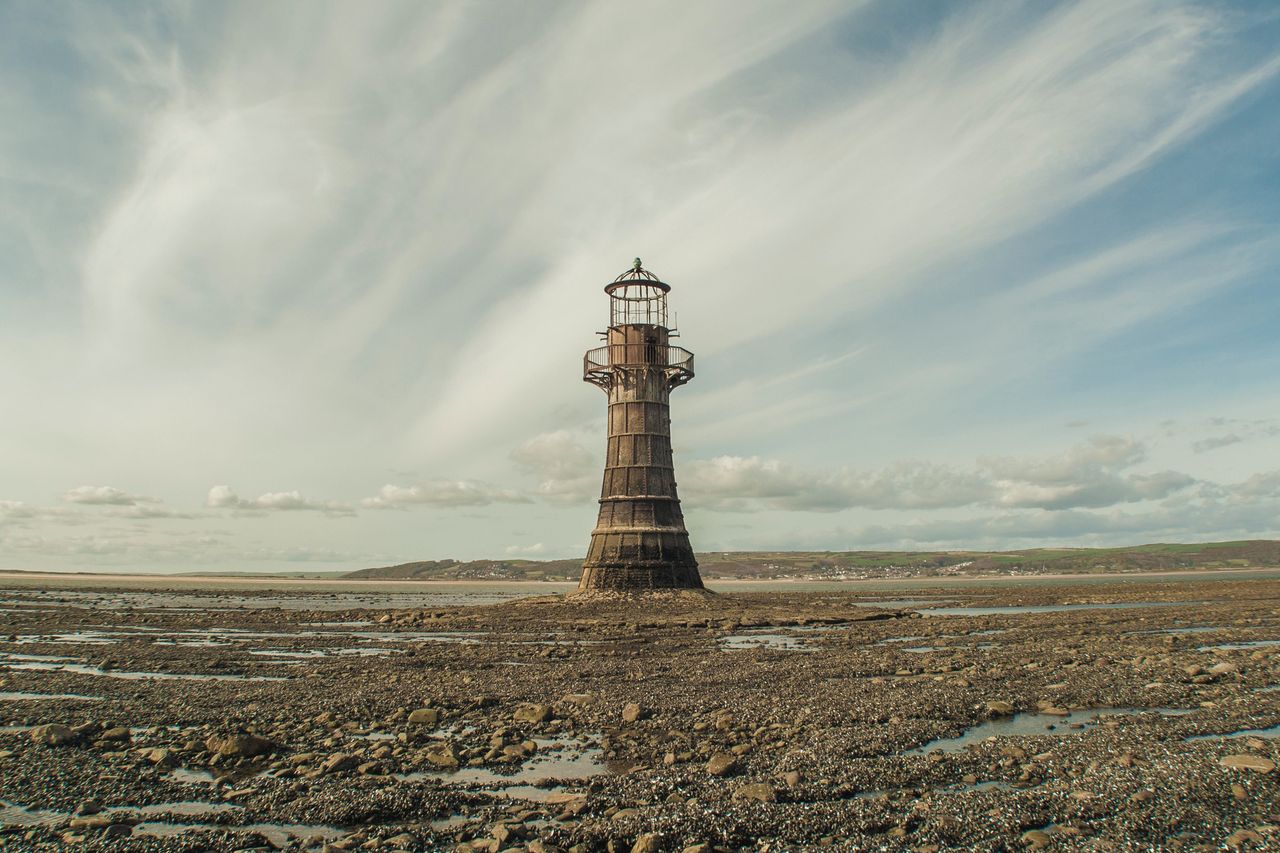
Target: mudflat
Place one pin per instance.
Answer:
(1064, 713)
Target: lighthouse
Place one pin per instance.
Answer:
(639, 541)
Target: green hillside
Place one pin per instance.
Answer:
(880, 564)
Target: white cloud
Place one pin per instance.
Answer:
(1091, 474)
(567, 472)
(222, 497)
(442, 493)
(533, 550)
(104, 496)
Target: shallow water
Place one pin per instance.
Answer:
(18, 696)
(86, 669)
(558, 760)
(1028, 723)
(1000, 610)
(764, 641)
(1272, 732)
(1235, 647)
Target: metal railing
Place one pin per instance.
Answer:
(677, 361)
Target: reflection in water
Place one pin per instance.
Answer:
(1036, 724)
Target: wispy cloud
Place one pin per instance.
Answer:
(442, 493)
(222, 497)
(104, 496)
(237, 254)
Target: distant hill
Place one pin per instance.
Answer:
(533, 570)
(836, 565)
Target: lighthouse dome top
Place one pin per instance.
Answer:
(637, 275)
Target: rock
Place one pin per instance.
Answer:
(722, 764)
(161, 757)
(792, 778)
(442, 755)
(1223, 668)
(1036, 839)
(631, 712)
(116, 733)
(999, 708)
(1240, 836)
(424, 717)
(240, 745)
(647, 843)
(88, 807)
(758, 791)
(52, 734)
(338, 762)
(578, 699)
(1248, 762)
(531, 712)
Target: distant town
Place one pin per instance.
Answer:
(875, 565)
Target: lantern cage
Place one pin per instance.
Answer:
(637, 297)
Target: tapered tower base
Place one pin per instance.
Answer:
(639, 578)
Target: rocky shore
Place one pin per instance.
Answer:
(1054, 716)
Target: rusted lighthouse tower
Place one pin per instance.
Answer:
(639, 541)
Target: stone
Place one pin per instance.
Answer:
(240, 745)
(722, 764)
(52, 734)
(116, 733)
(161, 757)
(1256, 763)
(648, 843)
(338, 762)
(792, 778)
(531, 712)
(998, 708)
(1036, 839)
(578, 699)
(1241, 836)
(442, 755)
(631, 712)
(758, 791)
(424, 717)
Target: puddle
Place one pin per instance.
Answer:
(205, 601)
(764, 641)
(193, 777)
(1235, 647)
(994, 785)
(280, 835)
(1000, 610)
(86, 669)
(369, 651)
(17, 696)
(1273, 731)
(1191, 629)
(1029, 723)
(924, 649)
(558, 760)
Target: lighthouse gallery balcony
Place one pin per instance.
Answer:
(597, 362)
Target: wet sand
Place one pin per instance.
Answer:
(1045, 713)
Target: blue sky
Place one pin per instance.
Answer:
(306, 285)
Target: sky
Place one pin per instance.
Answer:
(305, 286)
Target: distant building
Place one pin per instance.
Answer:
(639, 541)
